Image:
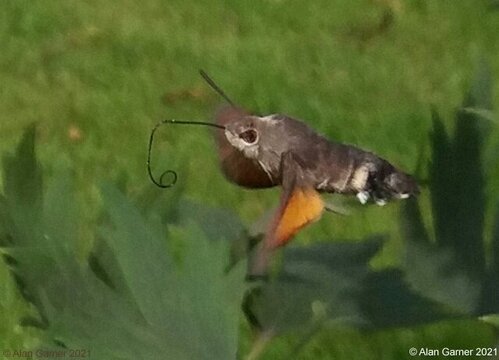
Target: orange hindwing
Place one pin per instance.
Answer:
(301, 207)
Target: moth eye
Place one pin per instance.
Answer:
(249, 136)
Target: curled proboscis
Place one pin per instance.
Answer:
(160, 182)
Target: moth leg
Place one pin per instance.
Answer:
(300, 204)
(363, 197)
(380, 202)
(336, 209)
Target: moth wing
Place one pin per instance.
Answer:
(235, 166)
(300, 205)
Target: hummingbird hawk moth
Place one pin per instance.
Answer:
(276, 150)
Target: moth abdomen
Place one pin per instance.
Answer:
(382, 182)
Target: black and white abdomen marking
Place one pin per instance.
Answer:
(376, 178)
(349, 170)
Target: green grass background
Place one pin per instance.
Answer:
(96, 76)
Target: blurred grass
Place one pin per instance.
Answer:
(96, 77)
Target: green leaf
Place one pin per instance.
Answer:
(469, 212)
(389, 302)
(327, 275)
(215, 223)
(453, 270)
(482, 113)
(332, 285)
(491, 319)
(196, 306)
(480, 92)
(412, 226)
(22, 181)
(149, 306)
(457, 179)
(427, 266)
(490, 292)
(495, 243)
(140, 252)
(434, 273)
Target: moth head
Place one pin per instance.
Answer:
(244, 134)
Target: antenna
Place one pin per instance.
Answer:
(215, 87)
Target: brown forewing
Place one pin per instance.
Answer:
(235, 166)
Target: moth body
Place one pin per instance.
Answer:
(277, 150)
(324, 165)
